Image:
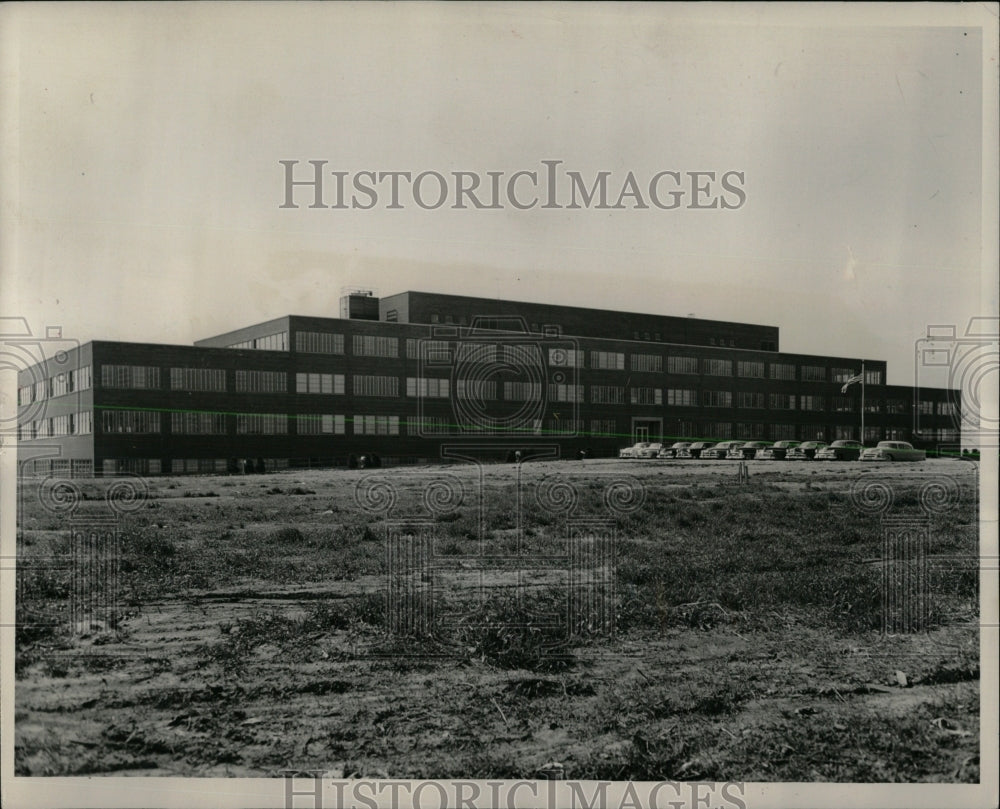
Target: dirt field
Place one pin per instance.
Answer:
(722, 629)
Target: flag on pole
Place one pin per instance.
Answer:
(851, 381)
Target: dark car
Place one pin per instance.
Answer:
(840, 451)
(805, 451)
(694, 450)
(720, 450)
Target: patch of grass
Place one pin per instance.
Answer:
(512, 633)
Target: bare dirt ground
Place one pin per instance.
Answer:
(735, 630)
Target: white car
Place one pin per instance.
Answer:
(673, 449)
(650, 451)
(633, 451)
(775, 452)
(747, 451)
(893, 451)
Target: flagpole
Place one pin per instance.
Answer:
(862, 402)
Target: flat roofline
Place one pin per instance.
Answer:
(577, 308)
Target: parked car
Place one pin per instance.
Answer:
(673, 449)
(775, 452)
(805, 451)
(840, 451)
(633, 451)
(649, 451)
(893, 451)
(694, 450)
(747, 451)
(720, 450)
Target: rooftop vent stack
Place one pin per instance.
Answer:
(359, 304)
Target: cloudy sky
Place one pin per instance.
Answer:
(146, 140)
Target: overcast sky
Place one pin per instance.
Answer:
(148, 141)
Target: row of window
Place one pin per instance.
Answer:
(59, 385)
(248, 381)
(57, 426)
(146, 422)
(269, 342)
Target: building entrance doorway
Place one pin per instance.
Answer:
(646, 430)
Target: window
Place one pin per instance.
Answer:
(781, 370)
(750, 400)
(523, 355)
(84, 423)
(899, 406)
(563, 426)
(318, 342)
(719, 429)
(751, 430)
(607, 360)
(41, 390)
(79, 378)
(432, 425)
(130, 376)
(682, 365)
(782, 432)
(768, 345)
(62, 425)
(370, 345)
(844, 404)
(603, 428)
(813, 373)
(269, 342)
(895, 434)
(26, 394)
(872, 405)
(207, 379)
(717, 398)
(261, 382)
(924, 407)
(718, 367)
(130, 421)
(376, 425)
(682, 398)
(321, 425)
(810, 403)
(566, 358)
(375, 386)
(565, 393)
(840, 374)
(750, 369)
(59, 385)
(947, 409)
(647, 362)
(607, 394)
(844, 432)
(319, 383)
(476, 390)
(261, 424)
(781, 401)
(522, 391)
(646, 396)
(428, 388)
(872, 433)
(873, 377)
(439, 351)
(198, 423)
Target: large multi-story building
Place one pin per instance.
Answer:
(420, 376)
